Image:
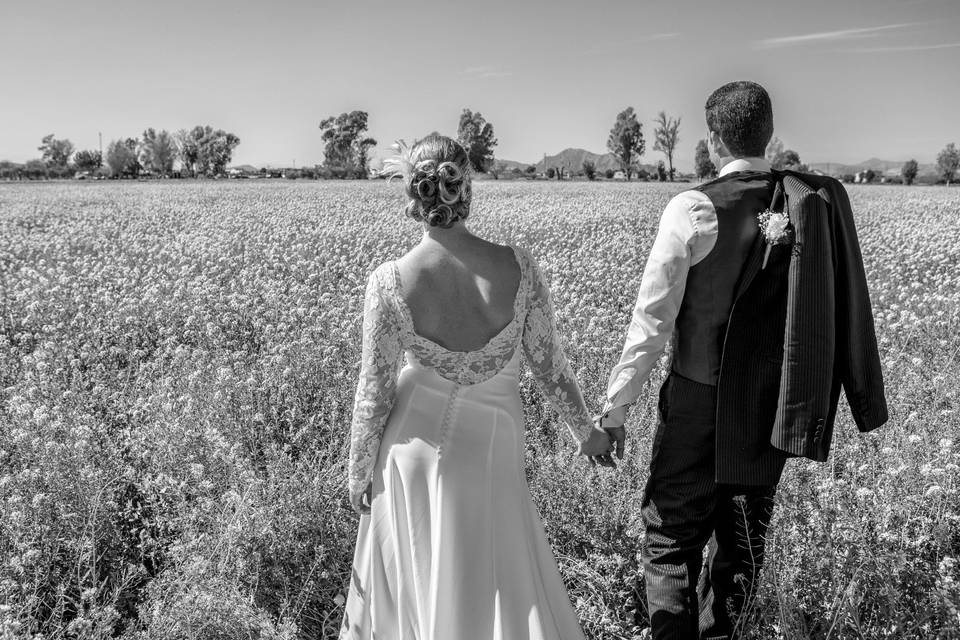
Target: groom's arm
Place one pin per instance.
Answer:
(687, 234)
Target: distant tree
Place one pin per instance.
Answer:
(476, 136)
(35, 169)
(608, 174)
(869, 176)
(216, 150)
(497, 168)
(531, 170)
(948, 161)
(789, 159)
(703, 165)
(626, 140)
(661, 171)
(847, 177)
(346, 148)
(122, 158)
(188, 149)
(10, 170)
(202, 150)
(55, 152)
(551, 173)
(87, 160)
(590, 170)
(666, 137)
(157, 151)
(909, 171)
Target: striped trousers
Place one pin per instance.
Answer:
(684, 510)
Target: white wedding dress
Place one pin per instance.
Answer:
(453, 548)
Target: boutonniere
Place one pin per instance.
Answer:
(776, 229)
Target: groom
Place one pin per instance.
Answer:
(762, 342)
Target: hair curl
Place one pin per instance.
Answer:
(436, 175)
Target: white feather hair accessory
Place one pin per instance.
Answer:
(399, 165)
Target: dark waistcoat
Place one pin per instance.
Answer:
(711, 284)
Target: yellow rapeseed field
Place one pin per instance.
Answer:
(177, 366)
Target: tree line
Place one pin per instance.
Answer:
(202, 151)
(205, 151)
(346, 144)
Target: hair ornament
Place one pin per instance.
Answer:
(399, 164)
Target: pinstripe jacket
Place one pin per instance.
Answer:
(800, 330)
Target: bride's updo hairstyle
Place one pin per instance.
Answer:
(436, 178)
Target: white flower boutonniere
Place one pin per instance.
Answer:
(776, 229)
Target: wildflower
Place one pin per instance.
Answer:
(934, 491)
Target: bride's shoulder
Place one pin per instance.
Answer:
(522, 254)
(525, 258)
(382, 277)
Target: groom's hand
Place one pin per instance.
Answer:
(612, 422)
(619, 437)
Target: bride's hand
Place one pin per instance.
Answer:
(598, 447)
(361, 501)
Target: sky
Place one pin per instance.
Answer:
(849, 79)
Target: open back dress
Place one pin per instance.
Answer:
(453, 547)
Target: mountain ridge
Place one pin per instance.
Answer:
(572, 158)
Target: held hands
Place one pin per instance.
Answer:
(597, 448)
(611, 425)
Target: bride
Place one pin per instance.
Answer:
(450, 545)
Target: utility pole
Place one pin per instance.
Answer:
(100, 136)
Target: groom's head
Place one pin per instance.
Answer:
(740, 120)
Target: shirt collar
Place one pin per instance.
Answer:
(745, 164)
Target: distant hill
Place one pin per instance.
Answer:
(878, 165)
(572, 161)
(512, 164)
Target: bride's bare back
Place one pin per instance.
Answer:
(460, 294)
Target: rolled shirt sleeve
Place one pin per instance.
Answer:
(686, 235)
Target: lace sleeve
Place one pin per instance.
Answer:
(541, 344)
(376, 388)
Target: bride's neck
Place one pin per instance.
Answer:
(453, 236)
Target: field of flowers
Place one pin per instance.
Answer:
(177, 366)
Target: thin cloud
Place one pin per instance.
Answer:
(919, 47)
(613, 47)
(829, 36)
(486, 72)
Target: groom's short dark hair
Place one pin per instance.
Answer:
(743, 116)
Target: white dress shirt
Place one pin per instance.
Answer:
(687, 235)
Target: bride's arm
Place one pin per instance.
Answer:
(376, 389)
(541, 344)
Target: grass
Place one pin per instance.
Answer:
(177, 366)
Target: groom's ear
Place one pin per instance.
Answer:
(716, 144)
